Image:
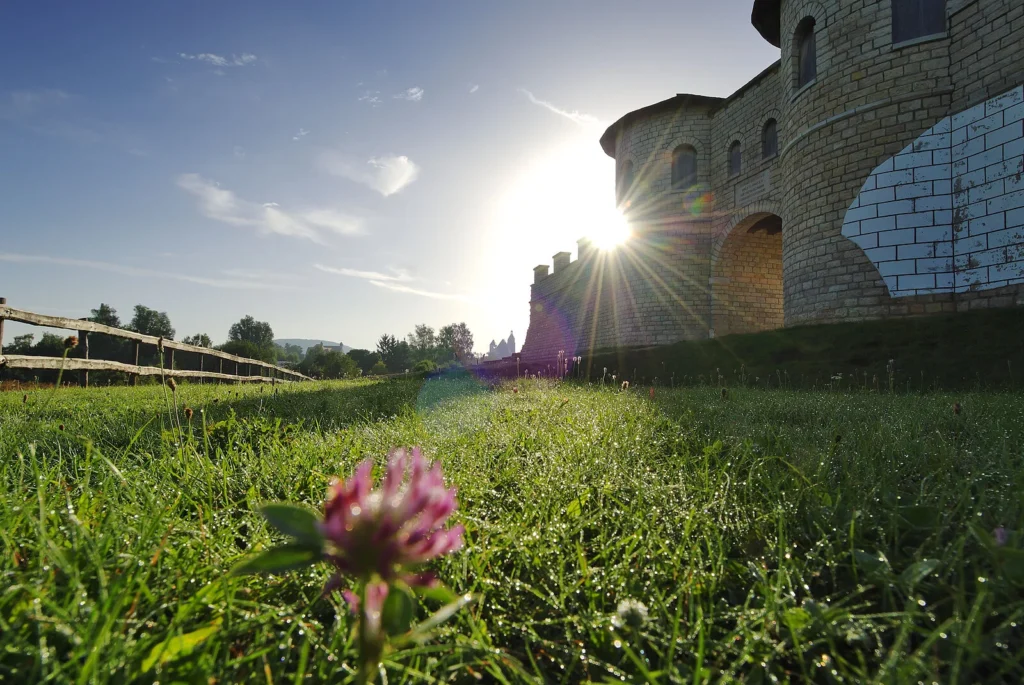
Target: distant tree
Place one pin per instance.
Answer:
(340, 365)
(463, 346)
(365, 359)
(422, 342)
(50, 345)
(244, 348)
(259, 333)
(386, 347)
(199, 340)
(378, 369)
(446, 343)
(402, 358)
(104, 346)
(151, 322)
(106, 315)
(424, 366)
(22, 344)
(454, 341)
(321, 363)
(288, 353)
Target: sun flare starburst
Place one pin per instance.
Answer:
(610, 231)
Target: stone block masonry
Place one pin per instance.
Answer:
(946, 214)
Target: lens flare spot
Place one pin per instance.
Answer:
(610, 231)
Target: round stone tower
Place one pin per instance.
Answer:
(874, 96)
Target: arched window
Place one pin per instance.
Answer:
(917, 18)
(806, 52)
(625, 180)
(684, 166)
(735, 158)
(770, 139)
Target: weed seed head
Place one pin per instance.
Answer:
(188, 413)
(70, 342)
(630, 613)
(956, 408)
(171, 384)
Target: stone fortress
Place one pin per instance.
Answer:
(499, 351)
(874, 171)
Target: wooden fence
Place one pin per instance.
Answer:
(264, 372)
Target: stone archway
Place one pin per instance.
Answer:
(746, 276)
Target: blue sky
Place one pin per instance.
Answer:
(338, 169)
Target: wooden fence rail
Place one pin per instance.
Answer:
(266, 372)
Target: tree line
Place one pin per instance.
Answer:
(422, 350)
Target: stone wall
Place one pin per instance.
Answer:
(654, 293)
(747, 283)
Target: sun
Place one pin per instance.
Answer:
(609, 230)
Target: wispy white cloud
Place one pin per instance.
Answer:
(124, 270)
(398, 288)
(47, 111)
(387, 175)
(333, 221)
(260, 275)
(396, 275)
(239, 152)
(220, 61)
(23, 103)
(301, 134)
(474, 87)
(371, 97)
(393, 282)
(223, 205)
(414, 94)
(574, 116)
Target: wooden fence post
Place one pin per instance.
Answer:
(83, 340)
(3, 301)
(201, 358)
(135, 376)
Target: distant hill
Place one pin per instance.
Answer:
(305, 343)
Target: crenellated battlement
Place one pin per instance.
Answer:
(562, 265)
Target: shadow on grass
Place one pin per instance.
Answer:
(327, 407)
(970, 350)
(451, 384)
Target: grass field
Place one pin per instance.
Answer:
(773, 535)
